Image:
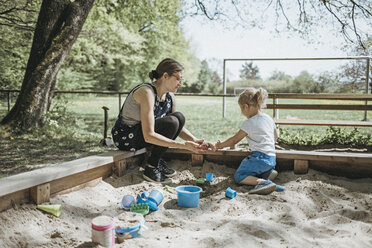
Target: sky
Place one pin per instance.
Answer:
(211, 41)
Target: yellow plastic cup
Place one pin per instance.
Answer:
(52, 209)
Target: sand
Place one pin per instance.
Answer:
(315, 210)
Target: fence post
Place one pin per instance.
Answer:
(105, 124)
(119, 102)
(9, 100)
(105, 127)
(367, 81)
(275, 110)
(224, 89)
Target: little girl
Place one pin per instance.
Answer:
(261, 133)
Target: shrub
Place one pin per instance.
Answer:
(333, 136)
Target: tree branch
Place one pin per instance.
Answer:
(7, 11)
(343, 25)
(25, 28)
(13, 15)
(368, 15)
(349, 15)
(355, 29)
(200, 5)
(237, 11)
(289, 24)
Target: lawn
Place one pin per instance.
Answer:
(204, 114)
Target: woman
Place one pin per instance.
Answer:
(148, 117)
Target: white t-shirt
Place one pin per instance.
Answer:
(260, 133)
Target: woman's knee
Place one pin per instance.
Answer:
(173, 122)
(181, 118)
(167, 125)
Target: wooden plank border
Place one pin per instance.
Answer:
(290, 154)
(44, 183)
(352, 165)
(39, 185)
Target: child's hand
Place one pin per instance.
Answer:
(218, 145)
(211, 146)
(206, 145)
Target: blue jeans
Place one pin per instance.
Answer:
(257, 164)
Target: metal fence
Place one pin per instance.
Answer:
(118, 93)
(275, 106)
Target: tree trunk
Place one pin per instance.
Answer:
(58, 26)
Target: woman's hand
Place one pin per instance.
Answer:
(205, 145)
(192, 146)
(199, 141)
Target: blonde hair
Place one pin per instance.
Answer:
(254, 97)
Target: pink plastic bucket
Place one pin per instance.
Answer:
(103, 231)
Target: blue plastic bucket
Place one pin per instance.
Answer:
(188, 196)
(156, 196)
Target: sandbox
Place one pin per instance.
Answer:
(316, 209)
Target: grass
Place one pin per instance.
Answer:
(76, 129)
(26, 152)
(204, 114)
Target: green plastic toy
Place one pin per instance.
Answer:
(200, 180)
(170, 189)
(141, 208)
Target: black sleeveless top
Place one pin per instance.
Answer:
(124, 135)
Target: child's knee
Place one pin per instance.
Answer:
(238, 177)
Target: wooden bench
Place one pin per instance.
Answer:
(323, 122)
(41, 184)
(319, 106)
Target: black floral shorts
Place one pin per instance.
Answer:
(125, 136)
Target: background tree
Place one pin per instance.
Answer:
(305, 83)
(352, 75)
(352, 19)
(329, 82)
(17, 23)
(249, 72)
(279, 82)
(58, 26)
(216, 87)
(121, 43)
(281, 76)
(208, 81)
